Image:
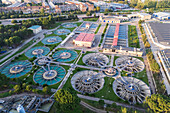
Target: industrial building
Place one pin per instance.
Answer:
(130, 51)
(25, 104)
(84, 40)
(160, 34)
(36, 29)
(162, 15)
(111, 19)
(164, 56)
(143, 16)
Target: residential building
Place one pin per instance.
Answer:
(90, 6)
(10, 1)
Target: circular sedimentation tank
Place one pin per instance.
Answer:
(87, 81)
(130, 64)
(131, 89)
(69, 25)
(95, 59)
(49, 75)
(65, 55)
(37, 51)
(51, 40)
(62, 32)
(17, 69)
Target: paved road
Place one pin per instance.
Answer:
(111, 102)
(112, 59)
(93, 108)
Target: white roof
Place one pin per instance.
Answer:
(162, 14)
(144, 14)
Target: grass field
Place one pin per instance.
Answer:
(91, 19)
(133, 37)
(97, 29)
(80, 62)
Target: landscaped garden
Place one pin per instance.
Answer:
(133, 36)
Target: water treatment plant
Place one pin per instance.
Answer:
(99, 62)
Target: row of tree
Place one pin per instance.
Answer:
(150, 4)
(20, 14)
(46, 22)
(154, 65)
(144, 38)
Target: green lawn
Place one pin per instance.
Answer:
(98, 28)
(91, 19)
(115, 57)
(20, 57)
(68, 83)
(80, 62)
(107, 91)
(133, 36)
(1, 57)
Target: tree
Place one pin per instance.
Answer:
(17, 88)
(158, 103)
(46, 89)
(147, 45)
(16, 39)
(65, 101)
(123, 110)
(94, 15)
(98, 8)
(88, 13)
(7, 42)
(101, 102)
(42, 11)
(106, 10)
(28, 88)
(63, 97)
(50, 17)
(14, 21)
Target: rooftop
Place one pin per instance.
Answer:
(144, 14)
(162, 14)
(167, 53)
(34, 27)
(162, 32)
(85, 37)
